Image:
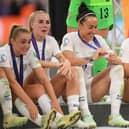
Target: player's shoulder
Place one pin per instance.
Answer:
(4, 47)
(50, 38)
(70, 34)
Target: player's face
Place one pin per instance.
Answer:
(41, 24)
(21, 43)
(88, 28)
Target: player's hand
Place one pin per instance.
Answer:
(33, 111)
(65, 69)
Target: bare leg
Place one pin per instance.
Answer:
(34, 91)
(59, 84)
(31, 79)
(101, 82)
(69, 88)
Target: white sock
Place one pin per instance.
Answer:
(44, 103)
(83, 93)
(116, 88)
(73, 103)
(22, 108)
(5, 97)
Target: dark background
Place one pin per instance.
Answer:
(58, 13)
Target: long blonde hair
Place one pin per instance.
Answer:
(32, 17)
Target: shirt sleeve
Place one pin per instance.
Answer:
(4, 58)
(67, 43)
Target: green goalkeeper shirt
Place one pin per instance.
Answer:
(102, 8)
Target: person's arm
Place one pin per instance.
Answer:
(43, 79)
(41, 74)
(114, 59)
(54, 50)
(75, 61)
(49, 64)
(65, 68)
(16, 88)
(68, 48)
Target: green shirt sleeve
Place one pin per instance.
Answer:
(73, 12)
